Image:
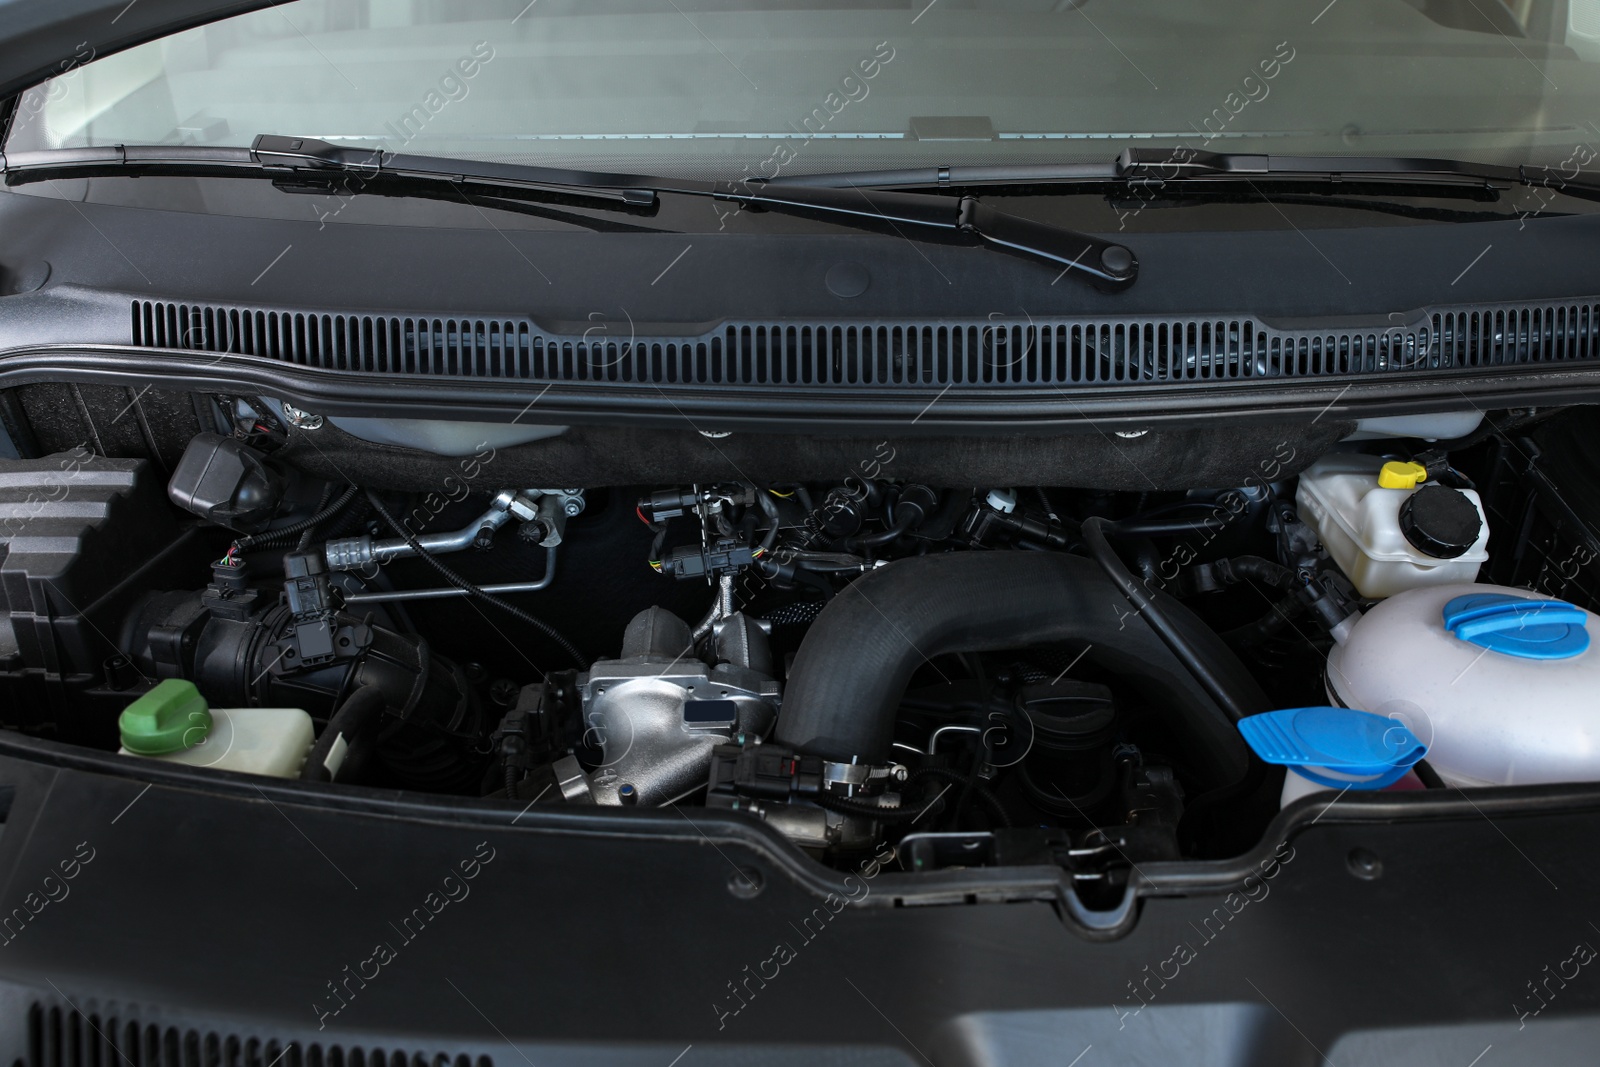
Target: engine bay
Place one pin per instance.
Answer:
(969, 675)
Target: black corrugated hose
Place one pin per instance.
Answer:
(272, 538)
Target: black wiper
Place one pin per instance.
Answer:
(963, 219)
(1155, 166)
(280, 158)
(1163, 165)
(305, 162)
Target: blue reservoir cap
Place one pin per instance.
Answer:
(1519, 626)
(1364, 751)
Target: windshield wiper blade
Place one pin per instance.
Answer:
(1156, 166)
(276, 156)
(965, 220)
(1182, 164)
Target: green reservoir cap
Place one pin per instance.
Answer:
(170, 718)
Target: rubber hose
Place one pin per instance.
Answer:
(1217, 686)
(355, 714)
(853, 666)
(1171, 526)
(467, 587)
(1427, 775)
(1259, 569)
(883, 537)
(1281, 614)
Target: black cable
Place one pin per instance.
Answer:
(272, 538)
(305, 538)
(471, 590)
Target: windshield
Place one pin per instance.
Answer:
(730, 89)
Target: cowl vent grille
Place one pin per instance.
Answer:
(1038, 352)
(67, 1038)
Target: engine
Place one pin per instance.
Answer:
(984, 676)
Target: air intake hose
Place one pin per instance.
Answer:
(853, 667)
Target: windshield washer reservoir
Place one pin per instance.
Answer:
(1502, 685)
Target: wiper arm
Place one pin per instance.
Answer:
(274, 156)
(303, 159)
(964, 220)
(1111, 266)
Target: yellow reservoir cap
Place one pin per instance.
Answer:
(1401, 474)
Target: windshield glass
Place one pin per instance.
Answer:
(730, 89)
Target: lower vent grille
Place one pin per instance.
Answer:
(67, 1038)
(885, 354)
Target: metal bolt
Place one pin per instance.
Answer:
(302, 420)
(574, 506)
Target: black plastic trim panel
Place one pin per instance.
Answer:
(907, 410)
(1379, 933)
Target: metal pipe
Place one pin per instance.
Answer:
(952, 728)
(450, 591)
(353, 553)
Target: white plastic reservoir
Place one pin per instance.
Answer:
(1503, 685)
(172, 722)
(1388, 528)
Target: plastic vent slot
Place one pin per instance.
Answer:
(885, 354)
(66, 1038)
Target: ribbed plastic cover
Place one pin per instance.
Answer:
(888, 353)
(113, 1036)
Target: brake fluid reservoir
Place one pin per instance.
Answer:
(1502, 685)
(172, 722)
(1389, 530)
